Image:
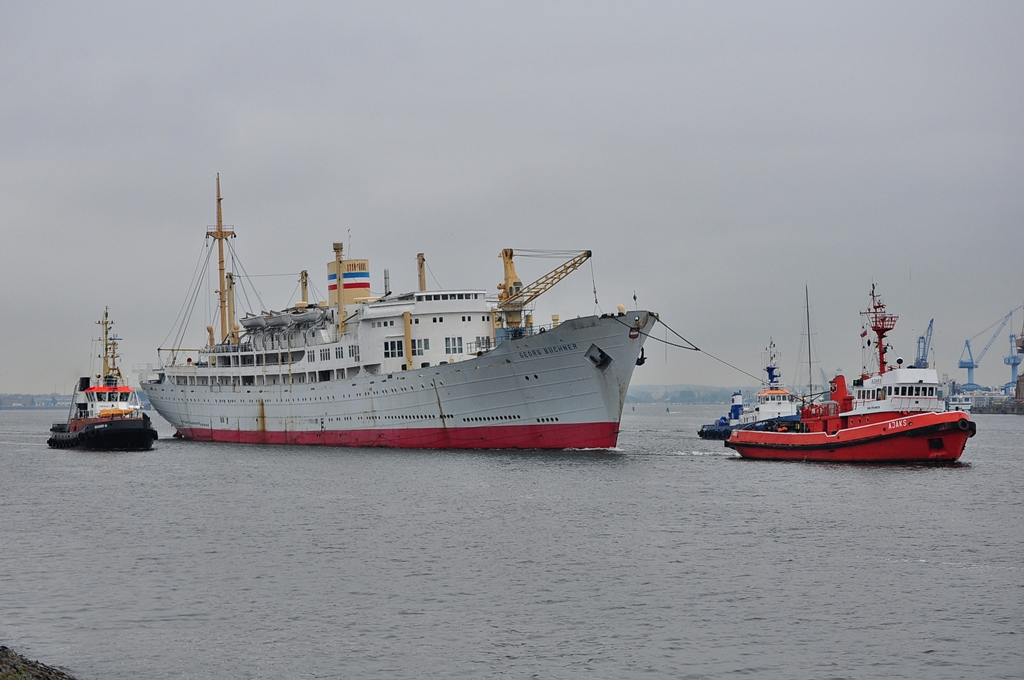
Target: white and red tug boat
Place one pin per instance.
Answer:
(106, 413)
(893, 416)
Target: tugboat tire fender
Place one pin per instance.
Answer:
(963, 424)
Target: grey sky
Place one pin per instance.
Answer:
(715, 157)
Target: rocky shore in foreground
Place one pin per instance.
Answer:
(14, 666)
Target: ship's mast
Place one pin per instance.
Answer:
(881, 323)
(109, 355)
(810, 366)
(221, 235)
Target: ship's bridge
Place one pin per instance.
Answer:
(900, 389)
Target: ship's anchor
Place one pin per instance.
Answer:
(641, 360)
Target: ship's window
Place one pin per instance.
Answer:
(889, 391)
(931, 391)
(415, 320)
(124, 396)
(453, 345)
(339, 352)
(393, 349)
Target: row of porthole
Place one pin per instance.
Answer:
(481, 419)
(404, 417)
(547, 420)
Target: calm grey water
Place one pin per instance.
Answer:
(667, 558)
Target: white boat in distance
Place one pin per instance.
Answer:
(425, 369)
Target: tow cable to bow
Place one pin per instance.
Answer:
(692, 347)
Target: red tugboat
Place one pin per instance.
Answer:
(893, 416)
(105, 412)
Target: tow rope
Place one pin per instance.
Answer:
(692, 347)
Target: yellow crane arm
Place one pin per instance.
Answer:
(515, 295)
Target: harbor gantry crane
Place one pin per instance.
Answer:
(1020, 338)
(971, 363)
(1012, 360)
(924, 343)
(513, 296)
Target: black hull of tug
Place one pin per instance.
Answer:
(107, 435)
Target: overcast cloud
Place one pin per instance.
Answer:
(716, 157)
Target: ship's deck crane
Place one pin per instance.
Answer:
(514, 296)
(923, 344)
(971, 363)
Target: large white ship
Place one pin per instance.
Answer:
(425, 369)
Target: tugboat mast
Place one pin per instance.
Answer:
(109, 355)
(810, 366)
(881, 323)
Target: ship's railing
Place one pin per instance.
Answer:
(515, 333)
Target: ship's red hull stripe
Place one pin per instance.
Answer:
(540, 436)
